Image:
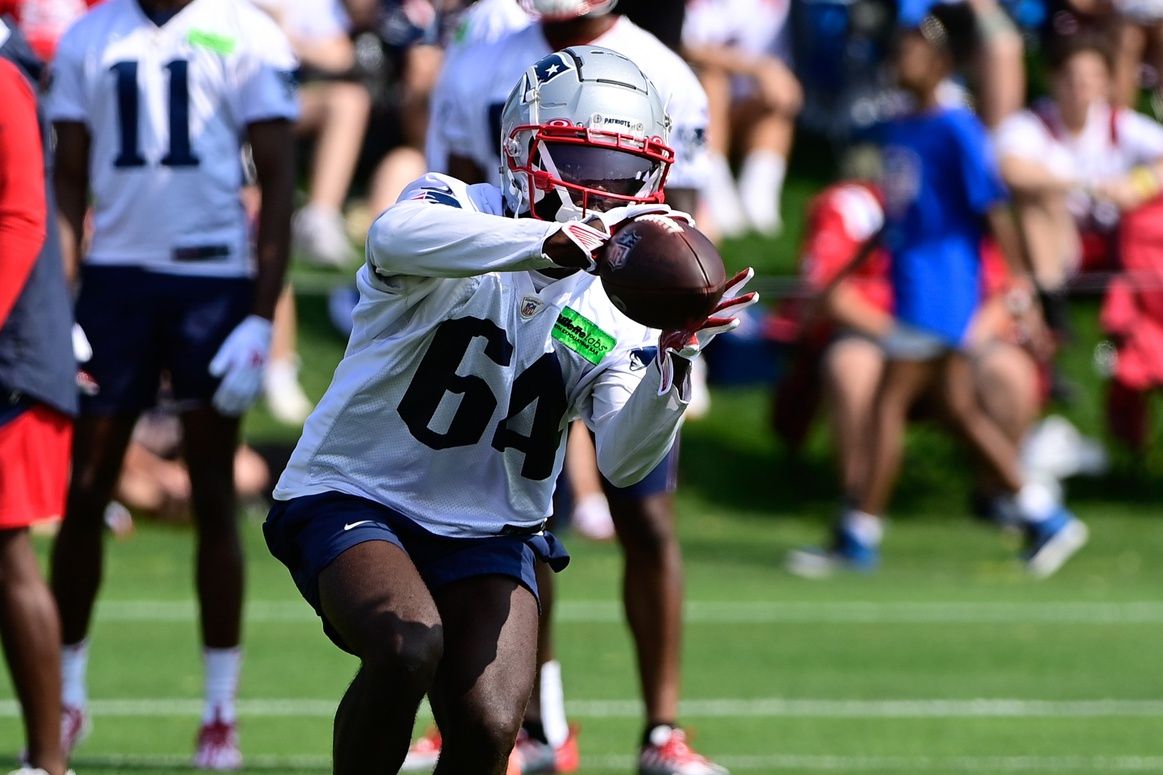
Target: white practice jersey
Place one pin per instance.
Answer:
(472, 95)
(482, 23)
(465, 367)
(167, 110)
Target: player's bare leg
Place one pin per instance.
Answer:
(210, 440)
(486, 676)
(99, 444)
(652, 590)
(30, 632)
(379, 606)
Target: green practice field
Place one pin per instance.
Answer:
(949, 660)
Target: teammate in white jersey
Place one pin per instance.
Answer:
(151, 101)
(644, 514)
(412, 512)
(473, 90)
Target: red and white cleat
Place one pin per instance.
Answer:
(217, 747)
(424, 752)
(75, 726)
(669, 753)
(534, 757)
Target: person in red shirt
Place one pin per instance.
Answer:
(852, 310)
(44, 21)
(34, 436)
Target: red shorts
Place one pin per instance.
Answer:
(34, 466)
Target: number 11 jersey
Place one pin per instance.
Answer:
(167, 107)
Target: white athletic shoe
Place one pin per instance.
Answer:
(320, 236)
(285, 397)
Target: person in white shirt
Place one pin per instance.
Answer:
(151, 101)
(411, 514)
(741, 51)
(1075, 162)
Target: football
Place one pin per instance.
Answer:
(662, 273)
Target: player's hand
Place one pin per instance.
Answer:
(616, 217)
(82, 350)
(240, 363)
(687, 344)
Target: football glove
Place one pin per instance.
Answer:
(240, 363)
(590, 235)
(82, 350)
(687, 344)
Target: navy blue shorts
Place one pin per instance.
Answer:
(308, 533)
(143, 323)
(662, 480)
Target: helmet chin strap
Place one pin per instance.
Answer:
(568, 210)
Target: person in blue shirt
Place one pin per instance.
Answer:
(942, 190)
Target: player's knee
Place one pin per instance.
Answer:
(404, 652)
(645, 526)
(494, 729)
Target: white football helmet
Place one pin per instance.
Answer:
(561, 10)
(583, 131)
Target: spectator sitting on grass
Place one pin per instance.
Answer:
(941, 185)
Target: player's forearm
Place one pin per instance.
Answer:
(71, 185)
(430, 240)
(633, 440)
(273, 152)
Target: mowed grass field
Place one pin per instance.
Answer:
(948, 660)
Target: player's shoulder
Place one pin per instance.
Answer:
(94, 25)
(254, 29)
(440, 189)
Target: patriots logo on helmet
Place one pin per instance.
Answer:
(551, 67)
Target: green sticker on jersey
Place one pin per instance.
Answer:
(219, 44)
(581, 335)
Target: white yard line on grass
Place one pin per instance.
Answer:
(598, 612)
(769, 707)
(805, 762)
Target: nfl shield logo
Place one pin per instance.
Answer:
(530, 306)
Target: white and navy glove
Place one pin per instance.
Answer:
(240, 362)
(687, 344)
(590, 235)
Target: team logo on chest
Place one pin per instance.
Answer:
(530, 306)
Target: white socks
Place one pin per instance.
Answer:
(222, 667)
(74, 665)
(722, 198)
(1036, 502)
(866, 528)
(553, 704)
(760, 188)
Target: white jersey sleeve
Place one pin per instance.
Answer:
(265, 74)
(66, 98)
(436, 230)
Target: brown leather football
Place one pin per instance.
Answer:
(662, 273)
